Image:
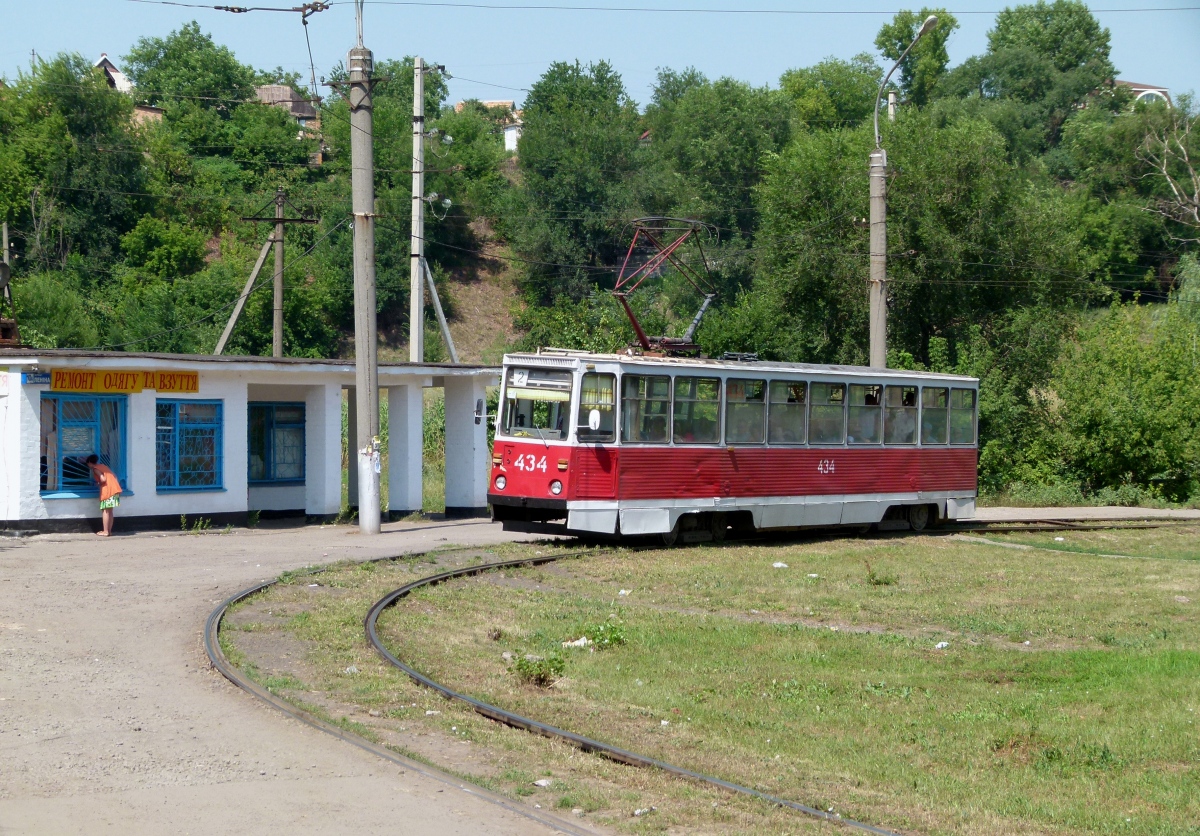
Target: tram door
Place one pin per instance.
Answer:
(596, 430)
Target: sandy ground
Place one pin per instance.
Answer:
(112, 721)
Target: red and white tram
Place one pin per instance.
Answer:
(609, 444)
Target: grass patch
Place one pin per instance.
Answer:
(1064, 700)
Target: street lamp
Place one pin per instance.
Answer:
(878, 169)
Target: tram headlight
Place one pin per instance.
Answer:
(501, 482)
(556, 487)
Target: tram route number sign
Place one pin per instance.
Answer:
(825, 466)
(125, 382)
(530, 462)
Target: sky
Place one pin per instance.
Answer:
(496, 52)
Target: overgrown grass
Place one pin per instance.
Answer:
(1064, 702)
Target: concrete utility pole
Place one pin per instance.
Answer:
(878, 170)
(362, 162)
(277, 321)
(416, 281)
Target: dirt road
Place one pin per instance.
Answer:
(111, 720)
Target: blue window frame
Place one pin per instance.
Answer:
(188, 445)
(276, 443)
(74, 427)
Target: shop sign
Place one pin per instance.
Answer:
(3, 384)
(122, 382)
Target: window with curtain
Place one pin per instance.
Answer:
(74, 427)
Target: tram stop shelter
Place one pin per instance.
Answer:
(218, 437)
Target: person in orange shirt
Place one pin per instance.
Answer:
(110, 491)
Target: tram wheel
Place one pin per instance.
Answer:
(719, 526)
(918, 517)
(669, 537)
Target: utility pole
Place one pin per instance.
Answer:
(277, 320)
(416, 282)
(878, 176)
(878, 316)
(280, 200)
(366, 378)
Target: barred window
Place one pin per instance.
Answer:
(785, 422)
(697, 410)
(188, 448)
(74, 427)
(276, 442)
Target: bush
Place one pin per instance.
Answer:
(539, 671)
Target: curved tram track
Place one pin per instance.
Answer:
(221, 663)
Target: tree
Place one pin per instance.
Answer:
(187, 66)
(833, 93)
(1172, 152)
(1064, 32)
(577, 161)
(926, 63)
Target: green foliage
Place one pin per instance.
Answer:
(164, 250)
(834, 93)
(1064, 32)
(926, 63)
(578, 164)
(539, 671)
(53, 312)
(187, 66)
(606, 634)
(1129, 402)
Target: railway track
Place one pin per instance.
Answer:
(222, 664)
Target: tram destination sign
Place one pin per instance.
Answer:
(123, 382)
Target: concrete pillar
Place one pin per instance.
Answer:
(352, 444)
(405, 444)
(466, 448)
(323, 450)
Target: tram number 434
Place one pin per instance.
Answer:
(825, 466)
(530, 463)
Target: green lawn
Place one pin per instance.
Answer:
(1064, 702)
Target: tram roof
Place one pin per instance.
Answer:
(767, 366)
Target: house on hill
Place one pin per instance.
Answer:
(1146, 92)
(120, 82)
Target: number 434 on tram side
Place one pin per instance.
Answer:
(609, 445)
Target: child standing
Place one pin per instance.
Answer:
(110, 492)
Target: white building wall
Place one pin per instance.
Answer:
(323, 450)
(466, 447)
(406, 410)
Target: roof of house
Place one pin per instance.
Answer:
(116, 78)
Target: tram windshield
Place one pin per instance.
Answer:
(537, 404)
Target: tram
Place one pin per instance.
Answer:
(621, 445)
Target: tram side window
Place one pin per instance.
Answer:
(785, 419)
(866, 417)
(597, 392)
(827, 413)
(745, 411)
(645, 408)
(900, 415)
(697, 410)
(962, 416)
(934, 401)
(537, 403)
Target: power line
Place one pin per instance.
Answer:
(682, 10)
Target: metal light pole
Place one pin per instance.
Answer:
(878, 169)
(366, 378)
